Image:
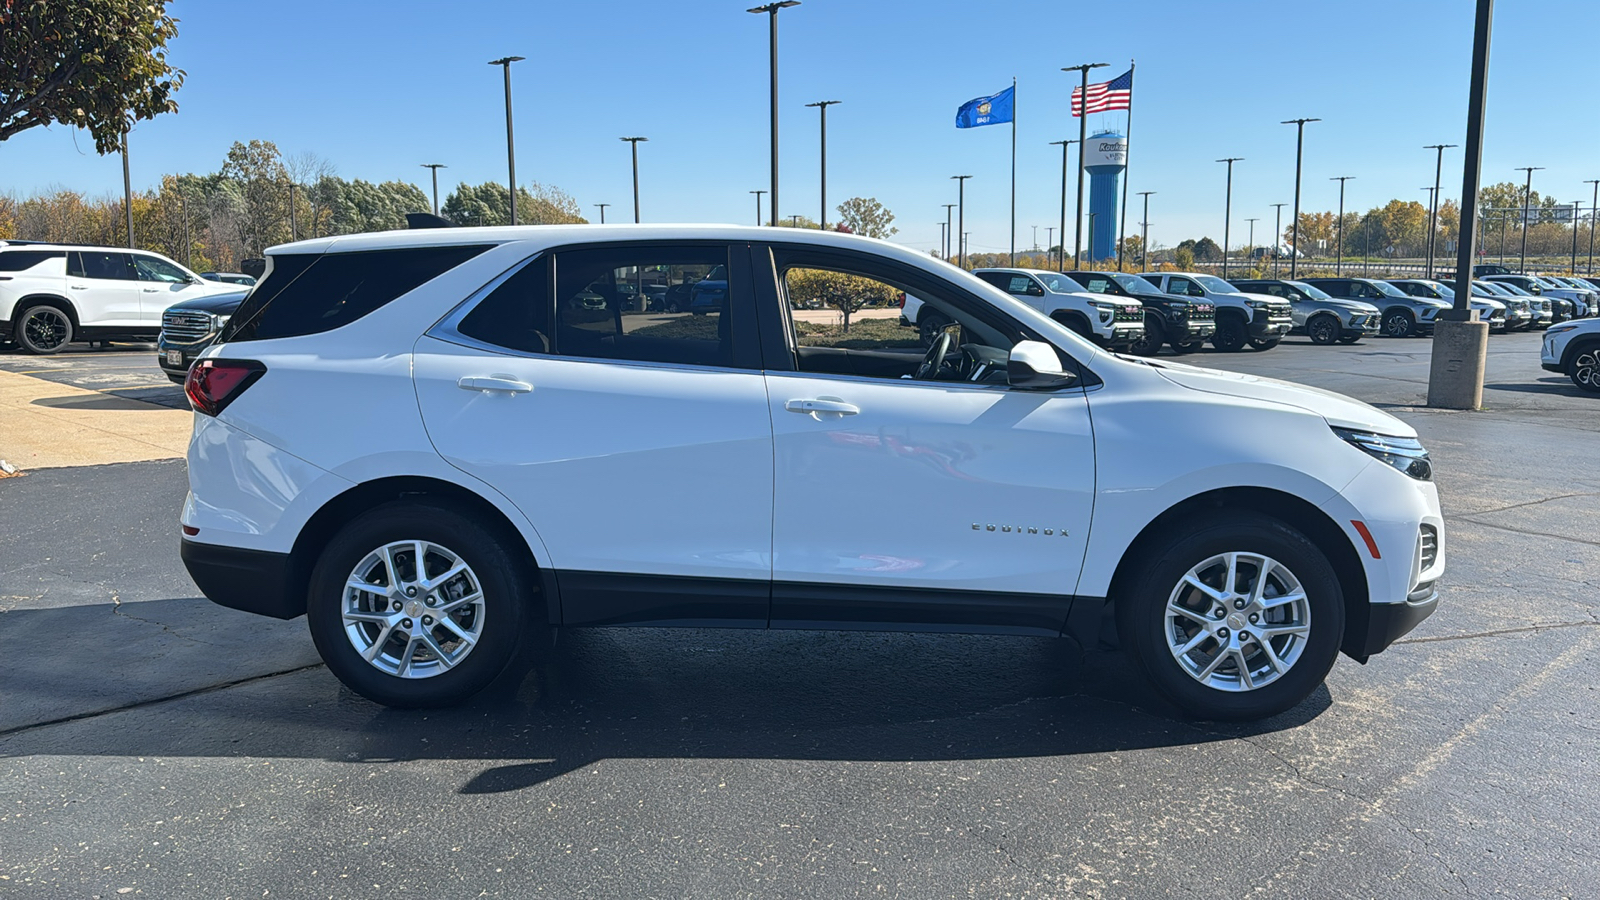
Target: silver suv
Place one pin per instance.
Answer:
(1403, 315)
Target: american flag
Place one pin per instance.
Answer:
(1108, 95)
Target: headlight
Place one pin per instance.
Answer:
(1557, 329)
(1403, 454)
(218, 320)
(1257, 304)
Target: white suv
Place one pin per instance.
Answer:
(1105, 319)
(54, 294)
(437, 446)
(1573, 349)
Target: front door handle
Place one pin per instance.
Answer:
(822, 408)
(491, 384)
(151, 290)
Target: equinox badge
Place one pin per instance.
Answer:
(1019, 529)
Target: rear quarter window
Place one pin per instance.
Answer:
(23, 260)
(309, 294)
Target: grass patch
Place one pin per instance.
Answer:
(864, 334)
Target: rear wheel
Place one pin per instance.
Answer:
(1182, 347)
(1155, 334)
(1399, 323)
(1230, 336)
(1584, 370)
(930, 325)
(414, 604)
(1238, 616)
(43, 330)
(1323, 329)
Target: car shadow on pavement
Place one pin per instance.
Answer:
(669, 694)
(1557, 386)
(96, 402)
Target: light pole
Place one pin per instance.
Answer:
(758, 206)
(634, 141)
(602, 211)
(294, 222)
(1227, 212)
(1594, 209)
(822, 108)
(1061, 261)
(1083, 135)
(961, 217)
(771, 9)
(794, 220)
(435, 167)
(1144, 237)
(1576, 205)
(1299, 156)
(1527, 199)
(1036, 238)
(1251, 248)
(511, 146)
(1433, 213)
(1277, 236)
(942, 226)
(948, 232)
(1338, 266)
(127, 186)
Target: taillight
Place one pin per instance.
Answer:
(213, 383)
(902, 299)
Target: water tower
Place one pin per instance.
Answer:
(1105, 156)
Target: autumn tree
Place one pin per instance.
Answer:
(94, 64)
(866, 216)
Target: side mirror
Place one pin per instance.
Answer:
(1034, 366)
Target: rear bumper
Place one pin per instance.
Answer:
(255, 581)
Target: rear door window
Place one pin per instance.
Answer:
(102, 265)
(309, 294)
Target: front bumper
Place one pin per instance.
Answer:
(254, 581)
(1389, 622)
(1185, 331)
(1270, 327)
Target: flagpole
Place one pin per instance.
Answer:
(1122, 221)
(1013, 172)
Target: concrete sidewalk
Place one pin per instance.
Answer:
(44, 424)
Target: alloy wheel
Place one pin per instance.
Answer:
(1397, 324)
(1237, 621)
(1323, 330)
(413, 609)
(45, 329)
(1586, 369)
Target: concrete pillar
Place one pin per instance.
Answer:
(1460, 354)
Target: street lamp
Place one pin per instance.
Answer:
(1527, 197)
(948, 226)
(127, 185)
(1338, 267)
(822, 107)
(435, 167)
(1083, 135)
(961, 217)
(1227, 211)
(771, 9)
(1594, 209)
(1251, 248)
(504, 63)
(1299, 155)
(1277, 236)
(758, 206)
(635, 142)
(1144, 238)
(1433, 213)
(602, 211)
(794, 220)
(1061, 261)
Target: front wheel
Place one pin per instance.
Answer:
(43, 330)
(1399, 323)
(414, 605)
(1266, 344)
(1323, 329)
(1584, 370)
(1236, 617)
(1230, 336)
(1155, 334)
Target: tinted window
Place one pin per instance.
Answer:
(152, 269)
(1019, 284)
(599, 313)
(1098, 284)
(517, 313)
(307, 294)
(20, 260)
(98, 264)
(998, 279)
(1184, 286)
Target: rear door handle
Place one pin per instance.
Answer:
(78, 287)
(490, 384)
(151, 290)
(822, 407)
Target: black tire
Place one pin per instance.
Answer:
(1350, 338)
(1142, 613)
(1323, 328)
(929, 325)
(1584, 367)
(1231, 335)
(1266, 344)
(1155, 334)
(1399, 323)
(42, 329)
(502, 576)
(1185, 347)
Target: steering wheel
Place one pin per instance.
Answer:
(933, 362)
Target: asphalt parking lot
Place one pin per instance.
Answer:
(153, 744)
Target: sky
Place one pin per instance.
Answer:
(378, 88)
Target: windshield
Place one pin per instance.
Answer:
(1515, 288)
(1214, 284)
(1311, 291)
(1135, 284)
(1387, 289)
(1445, 290)
(1060, 284)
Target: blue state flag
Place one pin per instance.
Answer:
(996, 110)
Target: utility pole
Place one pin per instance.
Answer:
(961, 217)
(1250, 251)
(1338, 267)
(602, 211)
(1576, 206)
(1594, 210)
(188, 242)
(294, 222)
(1527, 197)
(1277, 237)
(794, 220)
(822, 107)
(758, 206)
(1299, 156)
(634, 141)
(1227, 213)
(1036, 238)
(127, 186)
(1144, 239)
(435, 167)
(1433, 213)
(771, 9)
(941, 244)
(1083, 135)
(1061, 260)
(949, 230)
(1049, 239)
(511, 145)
